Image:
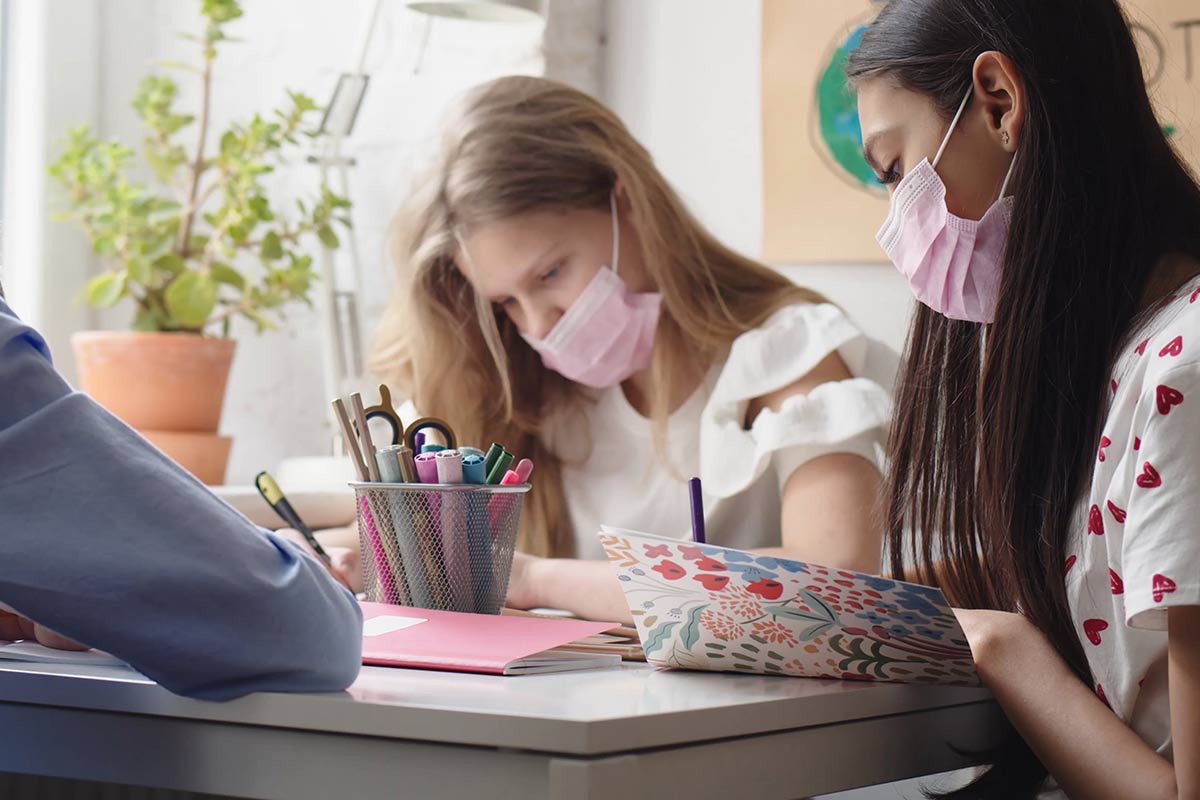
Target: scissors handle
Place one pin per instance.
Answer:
(437, 424)
(387, 412)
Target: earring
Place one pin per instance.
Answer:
(1004, 137)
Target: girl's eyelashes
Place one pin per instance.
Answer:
(890, 175)
(507, 303)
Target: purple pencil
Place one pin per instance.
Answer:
(697, 511)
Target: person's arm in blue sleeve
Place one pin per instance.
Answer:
(106, 541)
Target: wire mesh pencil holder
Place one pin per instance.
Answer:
(440, 546)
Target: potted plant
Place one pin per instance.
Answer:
(198, 246)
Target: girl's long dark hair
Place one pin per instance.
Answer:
(997, 426)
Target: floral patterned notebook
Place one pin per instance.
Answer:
(713, 608)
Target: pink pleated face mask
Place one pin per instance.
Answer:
(607, 334)
(952, 264)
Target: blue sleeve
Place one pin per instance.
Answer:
(105, 540)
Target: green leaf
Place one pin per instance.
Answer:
(261, 322)
(691, 632)
(815, 631)
(103, 291)
(191, 298)
(223, 273)
(658, 637)
(795, 613)
(272, 248)
(139, 271)
(170, 264)
(328, 237)
(221, 11)
(146, 320)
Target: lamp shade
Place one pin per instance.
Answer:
(482, 10)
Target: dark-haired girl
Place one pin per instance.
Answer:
(1046, 456)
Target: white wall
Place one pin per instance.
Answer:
(51, 74)
(684, 75)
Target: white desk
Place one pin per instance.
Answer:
(625, 733)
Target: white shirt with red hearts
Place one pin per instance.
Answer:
(1136, 549)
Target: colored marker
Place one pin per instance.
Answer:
(500, 467)
(472, 467)
(389, 467)
(427, 467)
(493, 453)
(271, 492)
(408, 467)
(518, 474)
(431, 447)
(449, 466)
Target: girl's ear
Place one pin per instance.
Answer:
(1001, 97)
(623, 205)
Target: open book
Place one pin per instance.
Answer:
(399, 636)
(714, 608)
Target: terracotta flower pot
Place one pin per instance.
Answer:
(205, 455)
(165, 383)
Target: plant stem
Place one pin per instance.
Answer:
(198, 167)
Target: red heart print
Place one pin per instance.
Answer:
(1162, 586)
(766, 589)
(1166, 301)
(1070, 563)
(1092, 629)
(1149, 479)
(669, 570)
(1100, 694)
(1115, 583)
(1113, 385)
(1095, 521)
(709, 564)
(1117, 512)
(1141, 348)
(1168, 398)
(714, 583)
(1173, 348)
(1195, 296)
(1137, 443)
(1104, 442)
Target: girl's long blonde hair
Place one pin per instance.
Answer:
(520, 145)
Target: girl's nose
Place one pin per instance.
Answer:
(540, 321)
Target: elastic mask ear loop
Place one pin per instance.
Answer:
(612, 203)
(953, 124)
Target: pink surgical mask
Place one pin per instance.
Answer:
(952, 264)
(607, 334)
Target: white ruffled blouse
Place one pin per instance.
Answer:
(620, 480)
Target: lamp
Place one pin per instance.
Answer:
(342, 360)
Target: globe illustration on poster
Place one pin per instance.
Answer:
(837, 132)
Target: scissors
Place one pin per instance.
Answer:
(407, 435)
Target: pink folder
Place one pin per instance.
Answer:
(400, 636)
